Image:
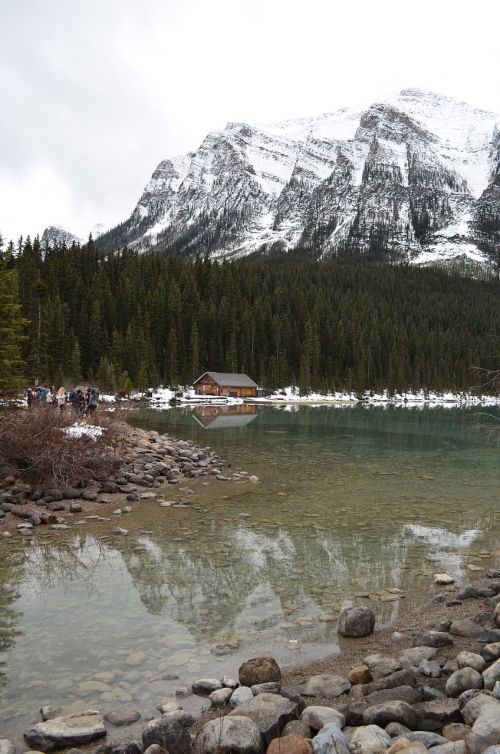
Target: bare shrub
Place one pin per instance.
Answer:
(35, 446)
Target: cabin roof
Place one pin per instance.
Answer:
(228, 379)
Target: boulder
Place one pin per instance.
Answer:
(442, 579)
(441, 711)
(6, 746)
(470, 660)
(317, 717)
(359, 675)
(356, 621)
(463, 680)
(290, 744)
(466, 628)
(491, 652)
(485, 731)
(415, 655)
(381, 665)
(476, 705)
(330, 740)
(259, 670)
(67, 730)
(299, 727)
(407, 747)
(205, 686)
(429, 693)
(369, 739)
(229, 735)
(390, 712)
(451, 747)
(456, 731)
(240, 695)
(266, 688)
(396, 694)
(270, 712)
(181, 716)
(491, 675)
(168, 706)
(122, 716)
(220, 697)
(406, 677)
(118, 747)
(396, 729)
(326, 686)
(228, 682)
(432, 639)
(430, 668)
(426, 737)
(496, 615)
(169, 734)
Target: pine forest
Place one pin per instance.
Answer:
(128, 320)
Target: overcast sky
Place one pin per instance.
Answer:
(94, 93)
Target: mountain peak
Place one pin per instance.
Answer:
(55, 234)
(410, 177)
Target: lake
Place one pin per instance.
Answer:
(351, 503)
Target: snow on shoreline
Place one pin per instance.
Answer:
(161, 398)
(79, 430)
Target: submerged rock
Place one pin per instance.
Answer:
(122, 716)
(68, 730)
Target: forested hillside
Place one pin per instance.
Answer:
(143, 319)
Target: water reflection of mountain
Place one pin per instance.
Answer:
(206, 586)
(224, 417)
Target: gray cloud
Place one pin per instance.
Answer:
(94, 94)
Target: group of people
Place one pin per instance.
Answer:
(82, 401)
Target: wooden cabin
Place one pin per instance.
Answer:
(225, 384)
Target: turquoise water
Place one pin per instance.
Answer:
(350, 503)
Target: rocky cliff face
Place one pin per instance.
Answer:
(415, 177)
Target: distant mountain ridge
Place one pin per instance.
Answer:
(55, 234)
(414, 177)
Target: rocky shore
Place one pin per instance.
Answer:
(150, 464)
(432, 687)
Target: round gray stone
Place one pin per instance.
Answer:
(326, 686)
(316, 717)
(463, 680)
(369, 739)
(236, 734)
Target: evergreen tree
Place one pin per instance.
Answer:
(12, 326)
(75, 364)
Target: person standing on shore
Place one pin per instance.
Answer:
(61, 399)
(75, 403)
(92, 401)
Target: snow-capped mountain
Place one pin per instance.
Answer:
(415, 176)
(54, 234)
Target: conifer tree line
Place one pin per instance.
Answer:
(129, 319)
